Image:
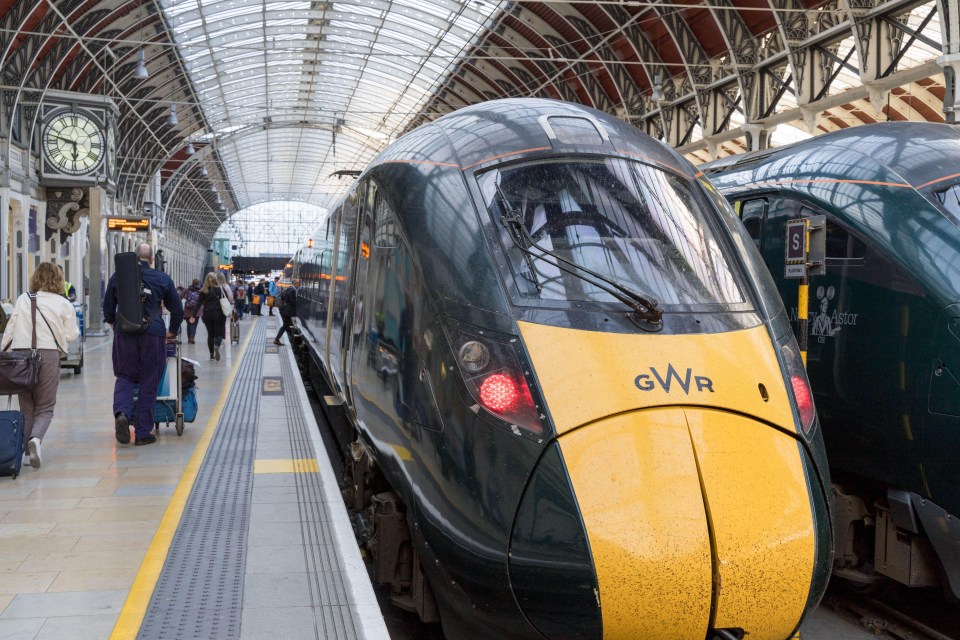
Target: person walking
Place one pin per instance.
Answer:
(213, 317)
(139, 359)
(55, 323)
(273, 291)
(240, 295)
(260, 295)
(250, 298)
(192, 309)
(288, 310)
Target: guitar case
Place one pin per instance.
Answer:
(130, 296)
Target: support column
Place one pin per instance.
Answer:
(94, 319)
(758, 136)
(951, 78)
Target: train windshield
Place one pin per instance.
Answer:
(633, 224)
(950, 199)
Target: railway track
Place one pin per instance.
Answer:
(897, 613)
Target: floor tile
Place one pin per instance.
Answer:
(289, 623)
(92, 627)
(276, 590)
(94, 580)
(26, 629)
(71, 603)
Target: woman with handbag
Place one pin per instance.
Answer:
(45, 322)
(217, 306)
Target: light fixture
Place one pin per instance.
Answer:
(172, 118)
(190, 150)
(141, 72)
(203, 170)
(657, 95)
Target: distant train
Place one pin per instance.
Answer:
(568, 396)
(884, 358)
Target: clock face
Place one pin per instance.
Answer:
(73, 143)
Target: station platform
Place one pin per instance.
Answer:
(234, 530)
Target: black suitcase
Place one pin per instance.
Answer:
(11, 443)
(130, 296)
(234, 331)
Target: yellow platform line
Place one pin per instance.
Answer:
(138, 599)
(296, 465)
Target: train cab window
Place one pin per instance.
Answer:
(626, 221)
(950, 199)
(753, 213)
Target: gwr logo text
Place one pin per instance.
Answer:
(649, 382)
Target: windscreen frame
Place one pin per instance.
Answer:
(500, 243)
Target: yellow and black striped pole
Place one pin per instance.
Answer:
(803, 311)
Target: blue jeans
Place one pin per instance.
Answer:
(241, 305)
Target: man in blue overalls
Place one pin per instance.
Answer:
(139, 360)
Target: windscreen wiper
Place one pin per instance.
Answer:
(645, 308)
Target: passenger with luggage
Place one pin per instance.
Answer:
(139, 352)
(249, 297)
(288, 310)
(213, 313)
(272, 292)
(192, 309)
(240, 295)
(51, 329)
(259, 296)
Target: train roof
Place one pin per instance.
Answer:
(514, 128)
(921, 153)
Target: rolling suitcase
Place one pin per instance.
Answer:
(11, 442)
(234, 330)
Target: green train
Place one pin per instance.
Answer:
(884, 331)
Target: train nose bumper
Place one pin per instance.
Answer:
(696, 519)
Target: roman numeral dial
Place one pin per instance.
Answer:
(73, 143)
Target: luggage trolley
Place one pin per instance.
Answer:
(170, 406)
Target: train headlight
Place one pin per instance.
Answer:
(474, 357)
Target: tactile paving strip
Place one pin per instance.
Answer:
(327, 579)
(200, 590)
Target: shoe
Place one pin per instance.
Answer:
(216, 353)
(150, 439)
(278, 343)
(33, 446)
(26, 460)
(122, 425)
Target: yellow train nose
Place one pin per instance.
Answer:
(697, 519)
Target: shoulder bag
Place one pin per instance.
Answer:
(19, 370)
(225, 305)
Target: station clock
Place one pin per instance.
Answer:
(74, 143)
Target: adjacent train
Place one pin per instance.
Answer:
(568, 395)
(884, 322)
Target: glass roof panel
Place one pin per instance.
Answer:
(350, 74)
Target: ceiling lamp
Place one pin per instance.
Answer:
(141, 72)
(190, 150)
(203, 170)
(657, 95)
(172, 118)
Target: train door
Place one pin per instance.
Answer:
(354, 318)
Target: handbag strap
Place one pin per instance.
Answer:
(33, 319)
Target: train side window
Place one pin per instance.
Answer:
(950, 199)
(753, 214)
(842, 246)
(385, 236)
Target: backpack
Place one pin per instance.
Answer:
(190, 302)
(130, 296)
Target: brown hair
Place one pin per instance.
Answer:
(48, 277)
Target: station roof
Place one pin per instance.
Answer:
(273, 96)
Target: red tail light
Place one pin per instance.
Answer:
(799, 384)
(494, 376)
(801, 391)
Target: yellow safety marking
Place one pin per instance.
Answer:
(760, 516)
(636, 482)
(588, 375)
(138, 599)
(297, 465)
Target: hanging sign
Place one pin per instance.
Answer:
(128, 225)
